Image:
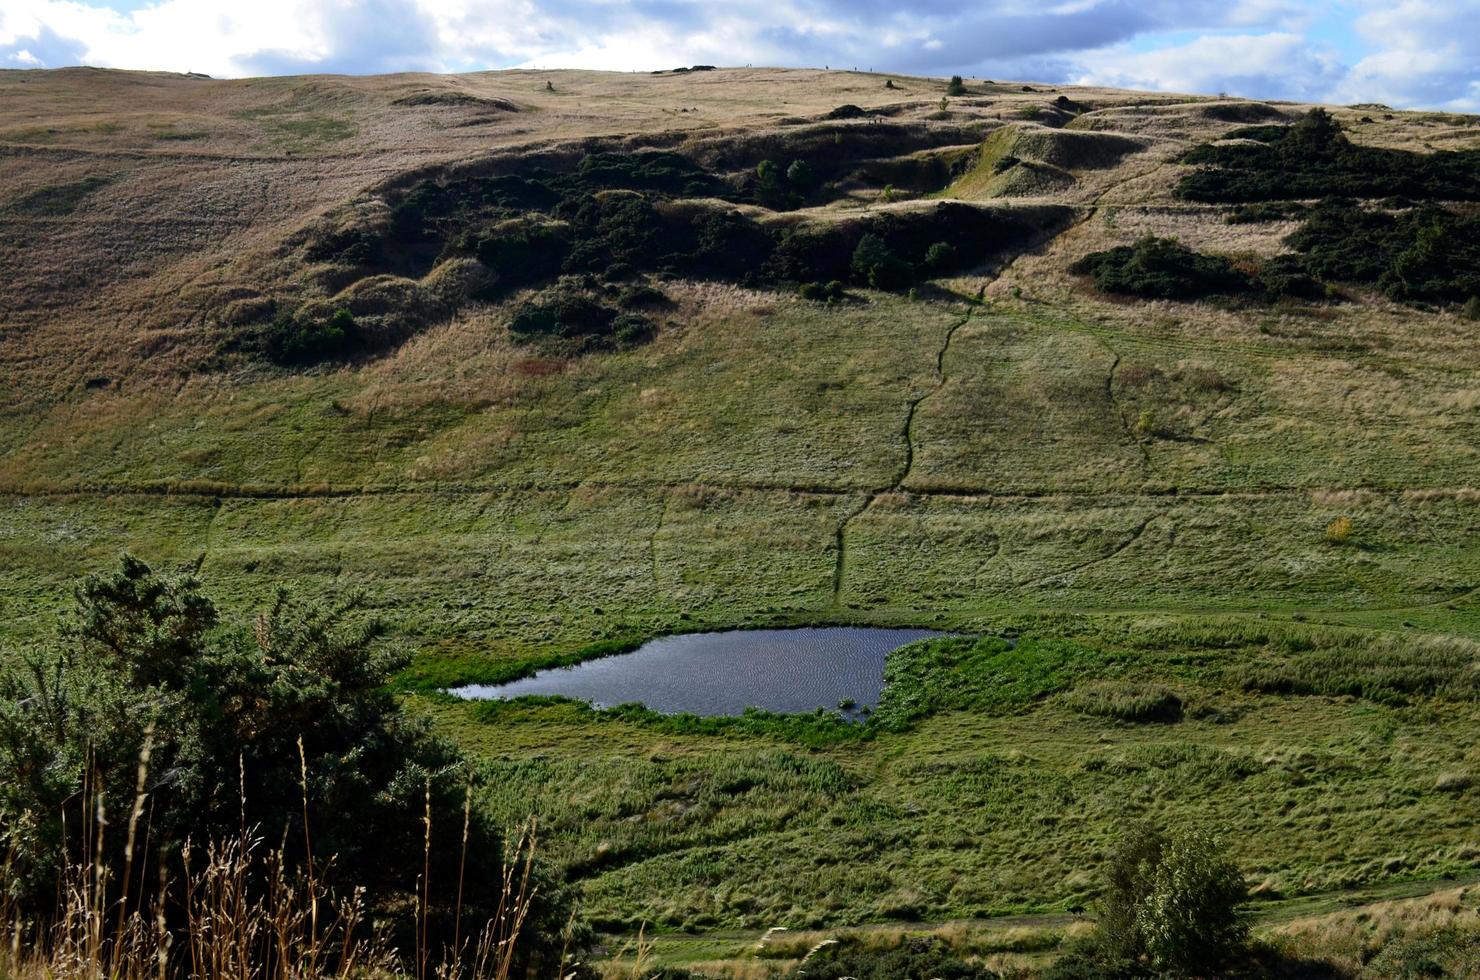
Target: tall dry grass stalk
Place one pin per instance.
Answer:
(240, 910)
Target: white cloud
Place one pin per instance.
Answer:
(1427, 54)
(1254, 65)
(1421, 52)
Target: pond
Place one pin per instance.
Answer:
(785, 670)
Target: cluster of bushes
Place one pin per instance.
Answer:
(565, 313)
(300, 337)
(207, 732)
(1163, 268)
(1313, 158)
(1422, 253)
(1425, 252)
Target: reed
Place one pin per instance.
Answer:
(239, 908)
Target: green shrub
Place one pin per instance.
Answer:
(1471, 309)
(1445, 951)
(821, 292)
(1160, 268)
(641, 294)
(1423, 253)
(1313, 159)
(874, 264)
(1286, 275)
(561, 313)
(300, 338)
(1172, 901)
(801, 176)
(254, 728)
(956, 86)
(940, 257)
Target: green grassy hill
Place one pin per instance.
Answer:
(1000, 447)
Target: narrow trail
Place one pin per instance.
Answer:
(653, 542)
(907, 435)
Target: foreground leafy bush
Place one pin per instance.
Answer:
(149, 703)
(1172, 906)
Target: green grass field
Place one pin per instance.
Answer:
(1150, 486)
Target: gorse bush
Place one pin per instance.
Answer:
(875, 264)
(1163, 268)
(283, 728)
(956, 86)
(1422, 253)
(300, 338)
(1314, 159)
(1160, 268)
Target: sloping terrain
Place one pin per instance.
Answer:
(524, 356)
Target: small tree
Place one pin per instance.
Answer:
(956, 86)
(1172, 901)
(875, 265)
(800, 175)
(940, 257)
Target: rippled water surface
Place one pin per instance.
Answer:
(788, 670)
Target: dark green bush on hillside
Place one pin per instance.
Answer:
(940, 257)
(874, 264)
(300, 338)
(956, 86)
(1160, 268)
(1313, 159)
(146, 660)
(1423, 253)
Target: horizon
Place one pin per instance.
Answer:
(1415, 55)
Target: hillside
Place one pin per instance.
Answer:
(576, 397)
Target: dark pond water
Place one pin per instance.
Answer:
(790, 670)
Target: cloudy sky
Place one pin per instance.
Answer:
(1410, 53)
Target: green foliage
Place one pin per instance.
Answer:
(1127, 701)
(822, 292)
(801, 175)
(1287, 275)
(956, 86)
(1471, 309)
(519, 253)
(145, 673)
(874, 264)
(302, 338)
(987, 674)
(1384, 671)
(641, 294)
(1424, 253)
(1173, 902)
(940, 257)
(1160, 268)
(1248, 214)
(1313, 159)
(913, 958)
